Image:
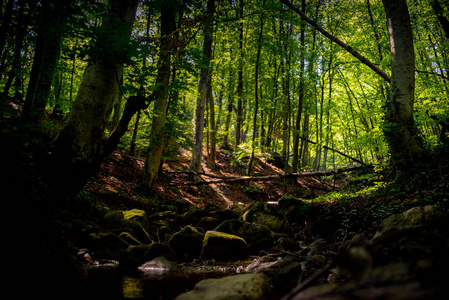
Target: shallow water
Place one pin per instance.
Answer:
(108, 281)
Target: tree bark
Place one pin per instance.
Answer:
(239, 112)
(154, 153)
(77, 150)
(296, 132)
(51, 28)
(405, 145)
(203, 89)
(256, 95)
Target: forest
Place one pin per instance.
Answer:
(286, 149)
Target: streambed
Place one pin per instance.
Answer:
(106, 280)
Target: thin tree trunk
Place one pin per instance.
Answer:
(296, 132)
(256, 94)
(357, 55)
(204, 85)
(157, 137)
(239, 123)
(51, 29)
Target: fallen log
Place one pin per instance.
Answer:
(269, 177)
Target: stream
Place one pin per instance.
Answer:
(106, 280)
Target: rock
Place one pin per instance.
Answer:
(107, 245)
(284, 274)
(238, 287)
(412, 217)
(262, 263)
(285, 244)
(187, 243)
(137, 215)
(177, 205)
(258, 237)
(294, 209)
(164, 218)
(222, 246)
(135, 256)
(265, 214)
(194, 215)
(208, 223)
(159, 263)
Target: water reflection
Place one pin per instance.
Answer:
(132, 287)
(157, 279)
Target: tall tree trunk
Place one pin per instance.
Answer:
(204, 85)
(256, 95)
(405, 145)
(51, 28)
(239, 123)
(212, 128)
(296, 132)
(80, 145)
(154, 153)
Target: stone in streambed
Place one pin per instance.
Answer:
(222, 246)
(238, 287)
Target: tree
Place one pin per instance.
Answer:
(80, 146)
(53, 21)
(204, 89)
(405, 145)
(155, 148)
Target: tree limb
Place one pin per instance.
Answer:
(357, 55)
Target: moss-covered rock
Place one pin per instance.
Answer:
(238, 287)
(258, 237)
(223, 246)
(194, 215)
(294, 209)
(265, 214)
(135, 256)
(187, 243)
(208, 223)
(137, 215)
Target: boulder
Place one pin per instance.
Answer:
(294, 209)
(187, 243)
(222, 246)
(208, 223)
(176, 205)
(258, 237)
(284, 274)
(265, 214)
(137, 215)
(238, 287)
(412, 217)
(159, 263)
(135, 256)
(194, 215)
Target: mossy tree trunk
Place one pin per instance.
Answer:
(76, 152)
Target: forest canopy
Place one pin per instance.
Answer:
(304, 80)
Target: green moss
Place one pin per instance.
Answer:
(218, 234)
(133, 214)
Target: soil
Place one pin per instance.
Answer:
(115, 183)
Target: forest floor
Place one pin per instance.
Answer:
(358, 200)
(120, 173)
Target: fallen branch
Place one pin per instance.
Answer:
(270, 177)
